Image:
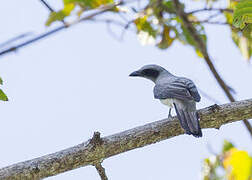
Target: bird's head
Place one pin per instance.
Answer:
(149, 72)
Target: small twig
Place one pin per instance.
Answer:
(101, 171)
(47, 5)
(210, 22)
(216, 23)
(8, 42)
(14, 48)
(123, 17)
(110, 22)
(101, 11)
(126, 27)
(210, 9)
(213, 16)
(113, 34)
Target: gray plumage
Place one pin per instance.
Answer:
(178, 92)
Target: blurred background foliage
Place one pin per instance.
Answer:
(230, 164)
(156, 21)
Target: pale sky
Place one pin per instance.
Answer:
(65, 87)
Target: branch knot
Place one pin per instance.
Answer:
(96, 140)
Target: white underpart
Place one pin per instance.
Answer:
(167, 102)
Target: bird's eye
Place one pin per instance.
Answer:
(150, 73)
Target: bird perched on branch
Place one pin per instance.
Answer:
(173, 91)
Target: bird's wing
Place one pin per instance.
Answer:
(193, 90)
(180, 88)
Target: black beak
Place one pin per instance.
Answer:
(136, 73)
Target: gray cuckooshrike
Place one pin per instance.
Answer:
(177, 92)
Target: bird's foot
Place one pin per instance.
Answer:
(214, 108)
(169, 115)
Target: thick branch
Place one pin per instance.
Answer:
(97, 141)
(202, 47)
(98, 149)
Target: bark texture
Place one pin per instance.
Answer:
(97, 149)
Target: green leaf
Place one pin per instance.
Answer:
(243, 14)
(60, 15)
(243, 40)
(199, 53)
(167, 40)
(143, 25)
(3, 97)
(1, 81)
(227, 146)
(169, 7)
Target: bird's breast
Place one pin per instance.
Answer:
(168, 102)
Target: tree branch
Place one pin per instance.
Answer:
(8, 42)
(98, 149)
(202, 46)
(210, 22)
(101, 171)
(97, 141)
(47, 5)
(211, 9)
(88, 17)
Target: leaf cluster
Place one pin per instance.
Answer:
(70, 5)
(157, 22)
(240, 25)
(3, 96)
(230, 164)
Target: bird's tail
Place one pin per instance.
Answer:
(189, 121)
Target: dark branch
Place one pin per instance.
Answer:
(14, 48)
(210, 9)
(101, 171)
(97, 149)
(47, 5)
(8, 42)
(42, 36)
(202, 46)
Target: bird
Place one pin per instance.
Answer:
(175, 92)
